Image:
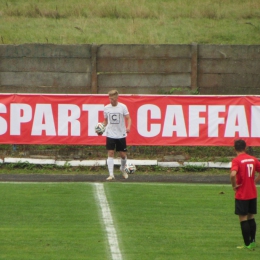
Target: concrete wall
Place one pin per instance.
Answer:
(229, 69)
(132, 69)
(45, 68)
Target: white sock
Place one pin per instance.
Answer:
(110, 166)
(123, 163)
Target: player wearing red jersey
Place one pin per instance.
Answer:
(243, 181)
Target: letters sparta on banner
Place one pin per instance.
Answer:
(156, 119)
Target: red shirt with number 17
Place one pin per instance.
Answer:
(245, 165)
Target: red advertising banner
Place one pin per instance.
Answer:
(156, 119)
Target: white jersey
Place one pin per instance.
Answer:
(115, 116)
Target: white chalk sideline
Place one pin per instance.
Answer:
(108, 222)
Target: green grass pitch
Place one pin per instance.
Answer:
(152, 221)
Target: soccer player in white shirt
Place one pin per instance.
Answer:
(118, 123)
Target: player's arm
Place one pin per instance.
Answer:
(105, 122)
(128, 123)
(258, 171)
(233, 180)
(257, 178)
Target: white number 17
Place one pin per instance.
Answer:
(250, 168)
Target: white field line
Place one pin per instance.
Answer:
(176, 184)
(108, 222)
(123, 183)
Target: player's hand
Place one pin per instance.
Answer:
(236, 187)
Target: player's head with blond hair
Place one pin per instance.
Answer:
(113, 92)
(113, 95)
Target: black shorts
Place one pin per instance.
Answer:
(119, 144)
(244, 207)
